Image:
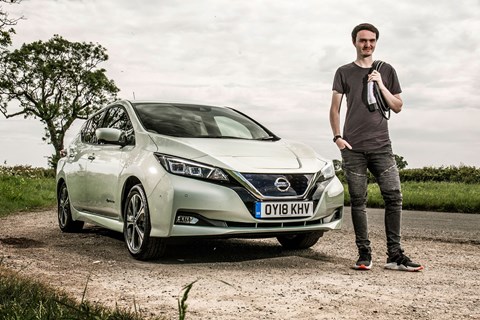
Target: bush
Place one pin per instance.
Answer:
(27, 171)
(461, 174)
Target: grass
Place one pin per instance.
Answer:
(23, 188)
(21, 193)
(431, 196)
(22, 298)
(442, 196)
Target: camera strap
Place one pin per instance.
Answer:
(374, 95)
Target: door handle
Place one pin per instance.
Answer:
(71, 153)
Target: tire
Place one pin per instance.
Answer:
(137, 227)
(300, 241)
(65, 220)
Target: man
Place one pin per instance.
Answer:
(365, 145)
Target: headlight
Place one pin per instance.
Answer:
(189, 168)
(328, 171)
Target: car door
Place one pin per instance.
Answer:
(105, 165)
(78, 153)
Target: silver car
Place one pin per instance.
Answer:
(156, 170)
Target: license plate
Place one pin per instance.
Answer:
(298, 209)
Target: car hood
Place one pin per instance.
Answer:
(243, 155)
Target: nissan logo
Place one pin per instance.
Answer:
(282, 184)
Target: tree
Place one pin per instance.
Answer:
(56, 82)
(337, 164)
(401, 162)
(6, 22)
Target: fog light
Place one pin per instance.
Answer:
(186, 220)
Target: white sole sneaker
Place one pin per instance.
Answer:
(401, 267)
(363, 267)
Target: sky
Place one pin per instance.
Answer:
(274, 60)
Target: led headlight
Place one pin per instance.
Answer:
(326, 174)
(189, 168)
(328, 171)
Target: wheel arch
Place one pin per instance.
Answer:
(60, 182)
(129, 183)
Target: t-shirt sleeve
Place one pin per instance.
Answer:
(395, 84)
(338, 82)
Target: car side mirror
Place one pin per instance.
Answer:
(111, 136)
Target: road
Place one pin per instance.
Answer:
(431, 225)
(257, 279)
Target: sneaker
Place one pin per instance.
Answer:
(401, 262)
(364, 261)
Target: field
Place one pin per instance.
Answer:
(451, 189)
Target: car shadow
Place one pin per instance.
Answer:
(198, 251)
(212, 250)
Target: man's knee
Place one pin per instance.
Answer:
(392, 197)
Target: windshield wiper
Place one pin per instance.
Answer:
(222, 137)
(268, 138)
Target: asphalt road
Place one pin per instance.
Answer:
(432, 225)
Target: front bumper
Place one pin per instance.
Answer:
(199, 208)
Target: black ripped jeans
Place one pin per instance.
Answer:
(381, 163)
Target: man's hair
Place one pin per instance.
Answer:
(364, 26)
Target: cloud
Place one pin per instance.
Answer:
(275, 60)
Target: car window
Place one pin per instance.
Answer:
(195, 121)
(231, 128)
(116, 117)
(88, 129)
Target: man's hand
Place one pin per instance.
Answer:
(393, 101)
(342, 144)
(377, 77)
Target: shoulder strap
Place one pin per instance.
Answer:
(383, 107)
(377, 64)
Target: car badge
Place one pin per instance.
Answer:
(282, 184)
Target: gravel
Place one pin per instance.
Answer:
(257, 279)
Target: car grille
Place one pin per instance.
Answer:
(279, 185)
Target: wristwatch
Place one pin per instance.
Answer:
(336, 138)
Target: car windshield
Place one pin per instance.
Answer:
(196, 121)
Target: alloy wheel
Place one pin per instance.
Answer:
(63, 207)
(135, 222)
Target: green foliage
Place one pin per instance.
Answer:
(337, 164)
(446, 189)
(23, 188)
(182, 303)
(21, 298)
(442, 196)
(26, 172)
(6, 24)
(56, 81)
(430, 196)
(401, 162)
(461, 174)
(401, 165)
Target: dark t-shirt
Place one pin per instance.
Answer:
(364, 130)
